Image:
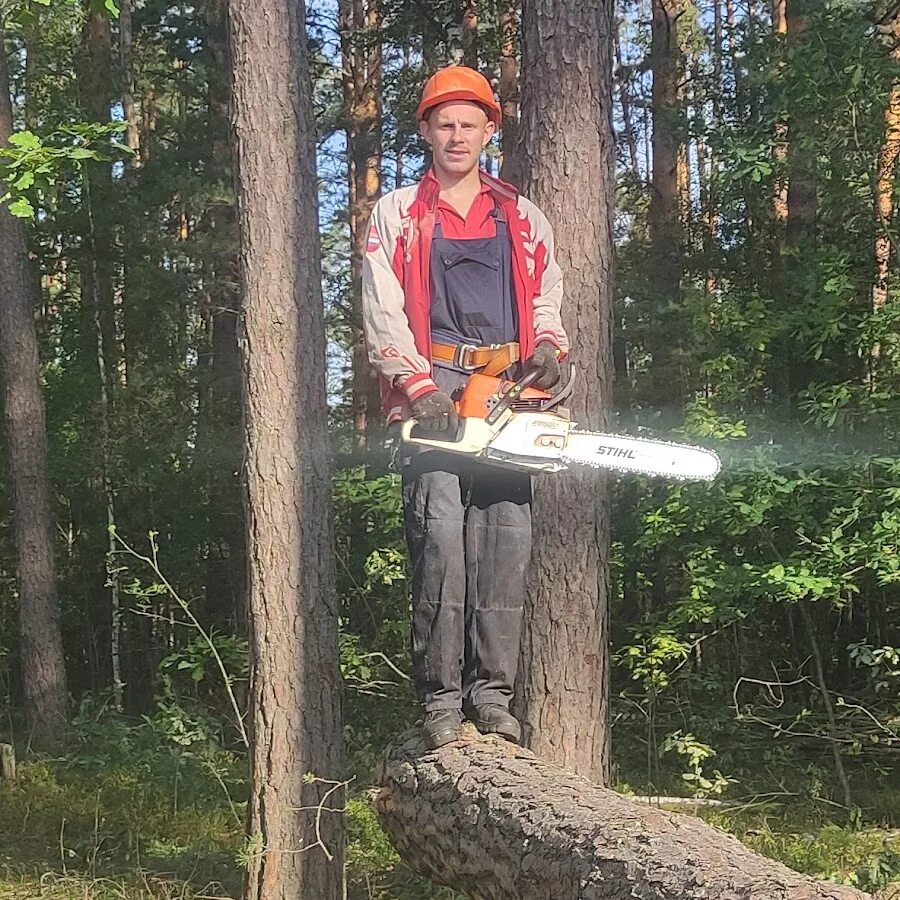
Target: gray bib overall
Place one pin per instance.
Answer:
(468, 526)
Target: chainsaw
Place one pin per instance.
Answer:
(515, 426)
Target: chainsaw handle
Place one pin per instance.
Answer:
(511, 396)
(413, 430)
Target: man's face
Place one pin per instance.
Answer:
(457, 132)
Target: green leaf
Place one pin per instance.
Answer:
(111, 6)
(21, 209)
(25, 140)
(24, 181)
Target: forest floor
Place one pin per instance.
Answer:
(169, 827)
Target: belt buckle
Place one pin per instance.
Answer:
(459, 357)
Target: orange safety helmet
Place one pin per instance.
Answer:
(459, 83)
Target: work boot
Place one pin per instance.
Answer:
(492, 718)
(441, 726)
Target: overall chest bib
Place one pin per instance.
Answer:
(472, 294)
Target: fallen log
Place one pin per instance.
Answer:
(493, 821)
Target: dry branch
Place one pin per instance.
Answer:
(494, 821)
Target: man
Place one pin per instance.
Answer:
(460, 276)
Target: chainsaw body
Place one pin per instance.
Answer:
(515, 426)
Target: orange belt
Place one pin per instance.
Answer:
(490, 360)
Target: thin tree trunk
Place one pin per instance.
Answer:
(780, 138)
(359, 26)
(105, 435)
(226, 561)
(126, 61)
(567, 163)
(43, 664)
(508, 12)
(665, 214)
(295, 674)
(799, 233)
(468, 18)
(95, 84)
(829, 707)
(625, 102)
(148, 120)
(886, 172)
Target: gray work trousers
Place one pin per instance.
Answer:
(468, 529)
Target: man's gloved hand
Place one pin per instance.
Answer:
(545, 361)
(435, 412)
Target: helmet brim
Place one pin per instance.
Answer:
(492, 112)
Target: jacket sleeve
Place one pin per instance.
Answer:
(389, 339)
(547, 303)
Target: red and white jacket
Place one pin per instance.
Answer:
(396, 285)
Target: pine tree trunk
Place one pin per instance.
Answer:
(126, 62)
(43, 664)
(508, 12)
(498, 823)
(226, 561)
(95, 84)
(567, 170)
(625, 102)
(359, 26)
(295, 680)
(886, 172)
(468, 18)
(667, 382)
(799, 230)
(780, 138)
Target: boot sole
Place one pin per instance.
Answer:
(435, 741)
(514, 737)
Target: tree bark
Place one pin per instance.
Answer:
(621, 77)
(295, 674)
(126, 62)
(95, 85)
(780, 138)
(468, 18)
(359, 26)
(567, 158)
(496, 822)
(886, 171)
(226, 560)
(508, 12)
(667, 382)
(43, 663)
(801, 161)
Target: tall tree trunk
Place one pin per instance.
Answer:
(226, 561)
(468, 20)
(126, 63)
(567, 170)
(508, 12)
(667, 381)
(148, 122)
(43, 665)
(799, 232)
(622, 80)
(359, 26)
(780, 138)
(295, 680)
(95, 85)
(886, 172)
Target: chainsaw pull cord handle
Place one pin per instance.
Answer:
(511, 396)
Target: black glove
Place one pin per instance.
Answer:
(435, 412)
(545, 361)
